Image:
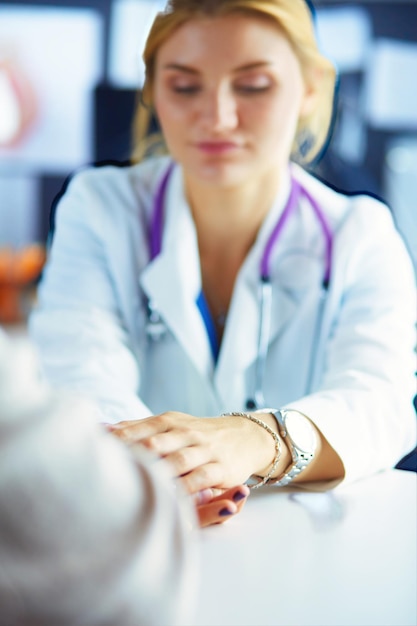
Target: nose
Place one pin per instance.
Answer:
(219, 110)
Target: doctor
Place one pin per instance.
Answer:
(223, 280)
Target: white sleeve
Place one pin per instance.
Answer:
(90, 532)
(363, 404)
(77, 325)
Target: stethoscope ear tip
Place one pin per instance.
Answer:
(250, 404)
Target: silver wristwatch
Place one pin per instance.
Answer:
(301, 438)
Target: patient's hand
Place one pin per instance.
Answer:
(217, 509)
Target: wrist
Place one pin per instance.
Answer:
(302, 441)
(260, 447)
(285, 459)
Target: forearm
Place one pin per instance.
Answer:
(87, 352)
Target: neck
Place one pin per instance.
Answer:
(227, 220)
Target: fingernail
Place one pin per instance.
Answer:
(238, 496)
(204, 496)
(224, 512)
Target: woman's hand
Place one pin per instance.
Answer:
(204, 453)
(218, 509)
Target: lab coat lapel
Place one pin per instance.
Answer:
(297, 268)
(296, 271)
(172, 281)
(240, 341)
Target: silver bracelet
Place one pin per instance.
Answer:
(275, 437)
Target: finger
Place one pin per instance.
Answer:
(127, 423)
(207, 495)
(187, 460)
(205, 476)
(172, 441)
(203, 497)
(238, 495)
(216, 512)
(136, 430)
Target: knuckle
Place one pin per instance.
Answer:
(181, 459)
(199, 438)
(196, 480)
(126, 434)
(160, 420)
(152, 443)
(206, 476)
(167, 420)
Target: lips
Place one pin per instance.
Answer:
(217, 147)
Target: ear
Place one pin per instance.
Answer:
(312, 87)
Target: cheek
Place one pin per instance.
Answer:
(266, 121)
(277, 119)
(274, 128)
(162, 110)
(173, 123)
(168, 109)
(166, 123)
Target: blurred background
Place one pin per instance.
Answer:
(69, 73)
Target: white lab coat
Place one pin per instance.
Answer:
(354, 379)
(91, 532)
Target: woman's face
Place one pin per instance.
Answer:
(228, 93)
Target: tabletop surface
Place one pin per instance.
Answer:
(341, 558)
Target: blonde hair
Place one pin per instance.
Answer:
(294, 18)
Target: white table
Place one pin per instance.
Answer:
(343, 558)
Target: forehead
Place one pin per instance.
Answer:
(231, 40)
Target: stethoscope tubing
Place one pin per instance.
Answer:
(157, 217)
(316, 339)
(265, 316)
(265, 286)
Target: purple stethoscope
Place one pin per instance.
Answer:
(156, 328)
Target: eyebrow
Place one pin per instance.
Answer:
(242, 68)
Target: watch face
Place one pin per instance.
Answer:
(301, 431)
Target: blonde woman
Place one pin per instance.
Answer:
(224, 281)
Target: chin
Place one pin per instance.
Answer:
(222, 175)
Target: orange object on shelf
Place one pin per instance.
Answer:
(19, 269)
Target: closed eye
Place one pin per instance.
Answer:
(186, 89)
(252, 89)
(253, 83)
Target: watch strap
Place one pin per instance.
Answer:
(299, 458)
